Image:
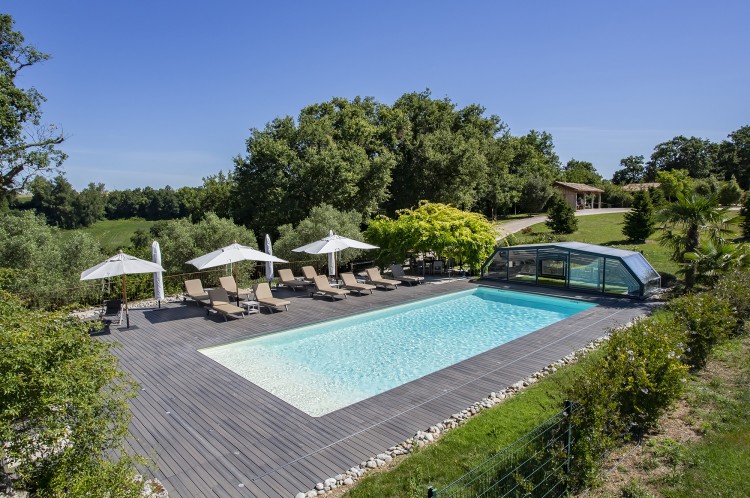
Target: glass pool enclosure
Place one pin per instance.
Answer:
(574, 265)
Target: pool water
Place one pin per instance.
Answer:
(324, 367)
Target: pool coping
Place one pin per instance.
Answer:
(213, 433)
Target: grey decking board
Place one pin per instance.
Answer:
(271, 435)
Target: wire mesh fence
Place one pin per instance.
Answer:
(535, 465)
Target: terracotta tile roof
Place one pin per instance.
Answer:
(579, 187)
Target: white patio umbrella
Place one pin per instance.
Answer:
(121, 264)
(231, 254)
(331, 245)
(158, 281)
(269, 264)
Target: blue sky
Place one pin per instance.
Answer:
(165, 92)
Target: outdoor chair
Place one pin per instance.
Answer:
(309, 273)
(350, 282)
(398, 273)
(263, 296)
(287, 278)
(112, 311)
(374, 277)
(194, 290)
(220, 303)
(438, 266)
(322, 286)
(230, 285)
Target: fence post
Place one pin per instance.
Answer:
(569, 416)
(430, 492)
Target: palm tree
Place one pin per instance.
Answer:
(715, 258)
(683, 221)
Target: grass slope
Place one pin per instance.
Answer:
(115, 234)
(462, 449)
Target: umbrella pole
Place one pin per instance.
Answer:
(125, 298)
(237, 282)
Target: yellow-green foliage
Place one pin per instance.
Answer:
(462, 236)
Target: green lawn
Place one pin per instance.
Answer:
(115, 234)
(462, 449)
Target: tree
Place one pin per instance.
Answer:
(734, 157)
(674, 182)
(180, 240)
(27, 148)
(64, 406)
(683, 221)
(46, 265)
(730, 192)
(464, 237)
(322, 219)
(639, 222)
(442, 153)
(335, 154)
(561, 217)
(631, 171)
(696, 155)
(581, 172)
(713, 259)
(89, 205)
(534, 154)
(535, 193)
(746, 214)
(615, 196)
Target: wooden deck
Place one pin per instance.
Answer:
(213, 433)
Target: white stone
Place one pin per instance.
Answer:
(380, 462)
(348, 481)
(371, 464)
(312, 494)
(319, 486)
(330, 481)
(300, 495)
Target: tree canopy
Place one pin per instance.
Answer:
(27, 147)
(464, 237)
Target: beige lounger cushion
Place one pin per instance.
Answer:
(322, 286)
(263, 296)
(230, 286)
(194, 290)
(287, 278)
(309, 273)
(350, 282)
(220, 302)
(373, 275)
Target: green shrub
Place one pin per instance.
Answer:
(735, 288)
(63, 406)
(708, 319)
(561, 217)
(626, 387)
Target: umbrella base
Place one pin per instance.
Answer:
(124, 328)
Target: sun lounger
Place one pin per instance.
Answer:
(398, 273)
(287, 278)
(309, 273)
(228, 284)
(112, 311)
(373, 277)
(350, 282)
(263, 296)
(322, 286)
(220, 303)
(194, 290)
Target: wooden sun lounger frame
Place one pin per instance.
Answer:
(219, 299)
(322, 286)
(350, 282)
(374, 277)
(287, 278)
(195, 291)
(263, 295)
(398, 273)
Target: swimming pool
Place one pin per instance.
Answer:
(324, 367)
